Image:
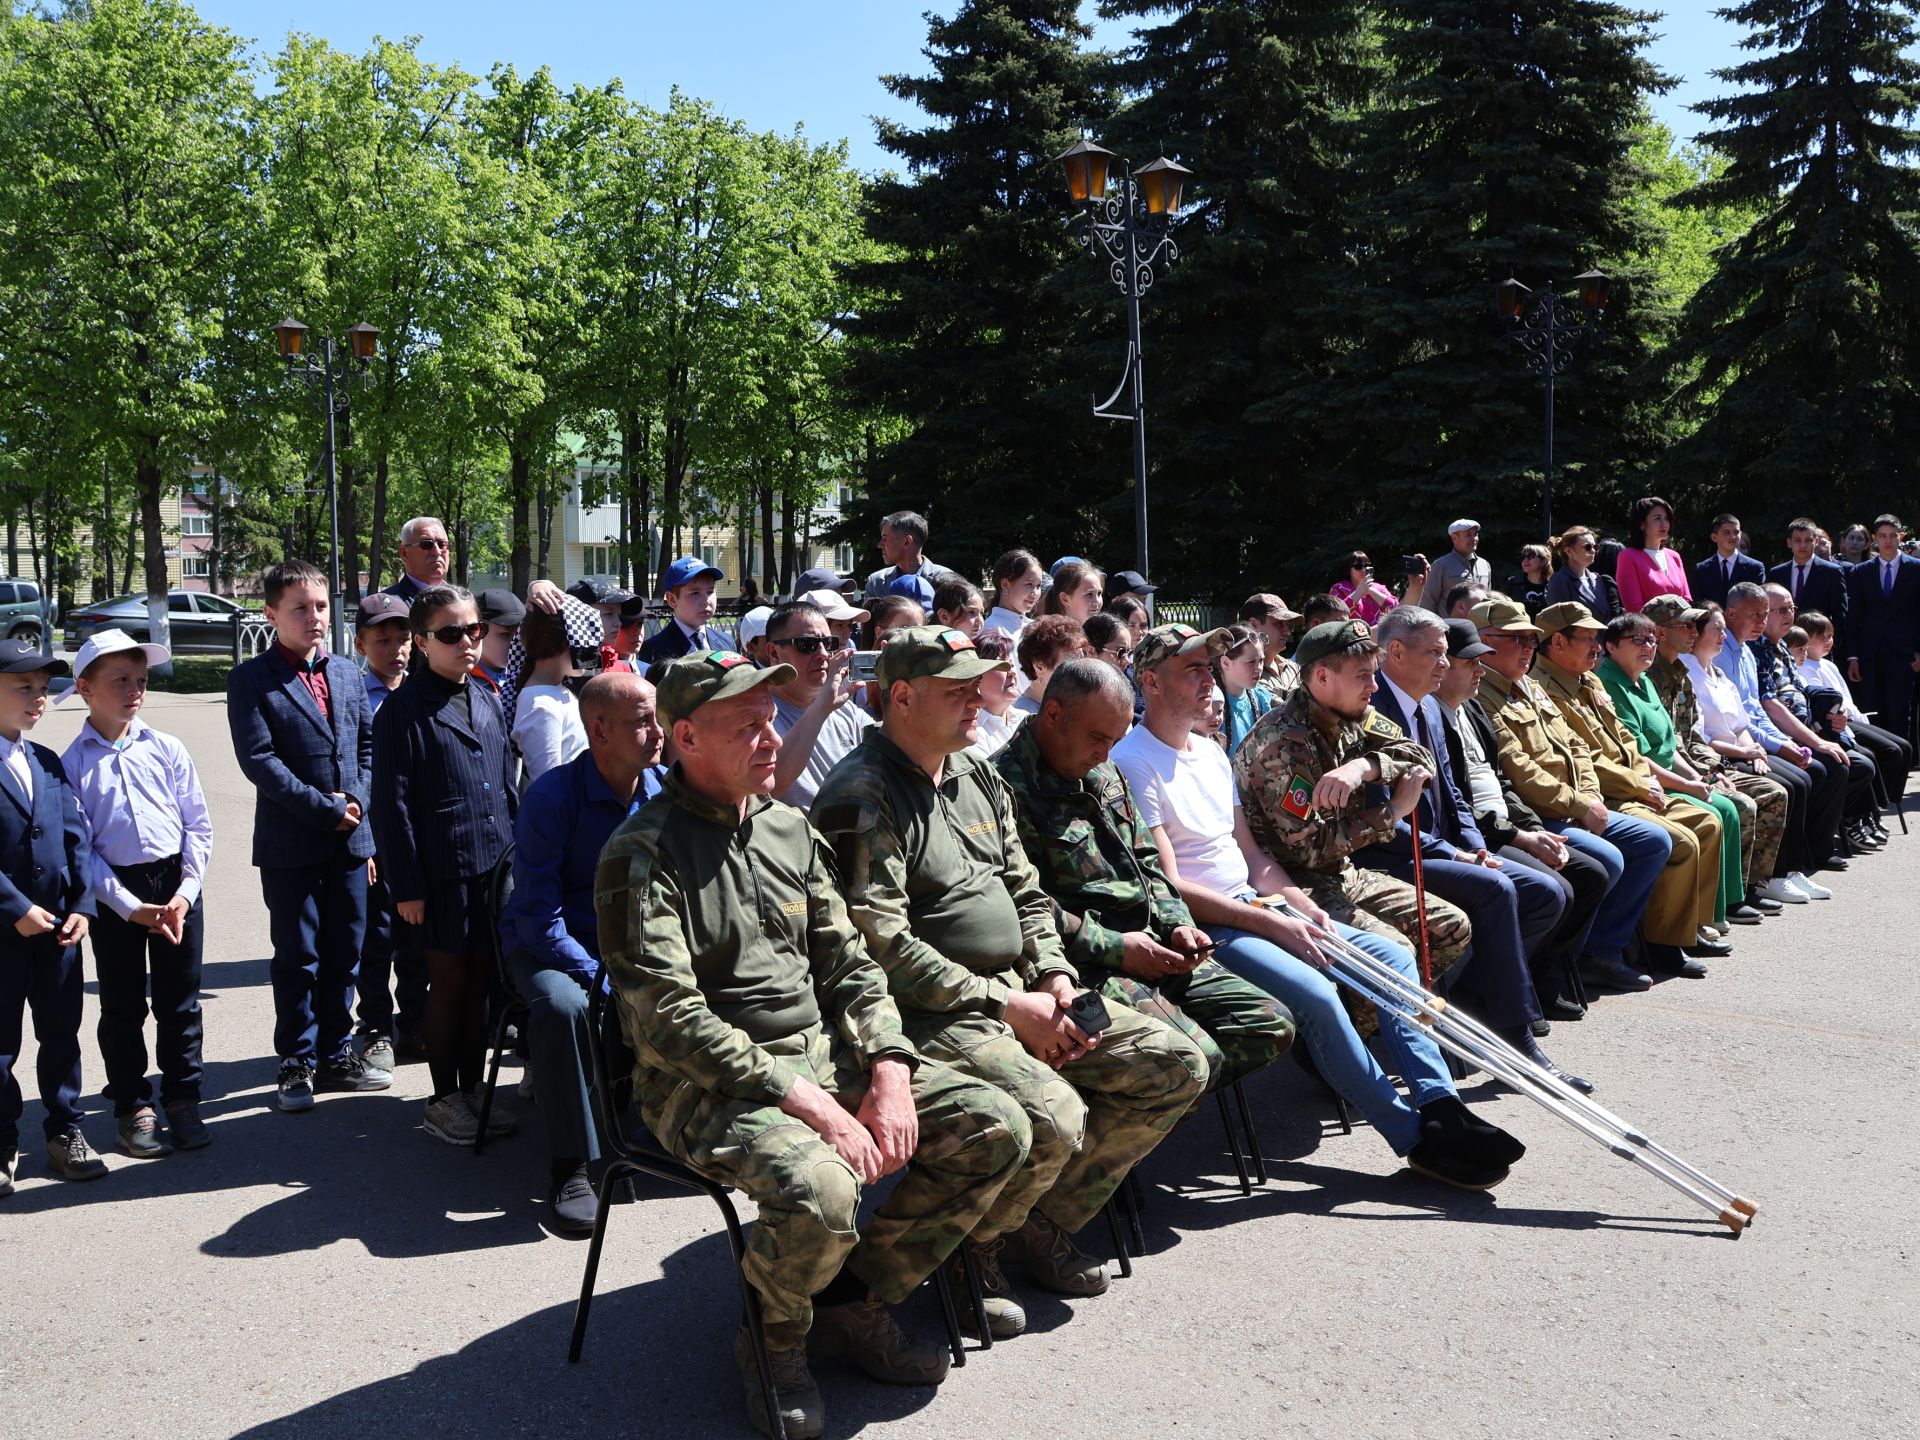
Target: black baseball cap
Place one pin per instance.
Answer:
(1463, 641)
(23, 657)
(821, 579)
(500, 607)
(379, 608)
(598, 592)
(1129, 582)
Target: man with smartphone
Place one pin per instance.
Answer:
(937, 880)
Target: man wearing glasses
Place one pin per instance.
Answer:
(1551, 769)
(424, 555)
(816, 723)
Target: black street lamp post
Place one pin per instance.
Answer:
(1549, 336)
(1131, 229)
(331, 372)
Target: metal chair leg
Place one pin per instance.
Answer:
(757, 1337)
(603, 1207)
(1119, 1240)
(493, 1079)
(1129, 1194)
(1233, 1142)
(1252, 1135)
(976, 1297)
(944, 1289)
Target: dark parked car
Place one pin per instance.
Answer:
(199, 623)
(20, 610)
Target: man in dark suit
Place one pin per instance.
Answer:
(1719, 572)
(46, 897)
(1883, 629)
(304, 737)
(1815, 584)
(1512, 909)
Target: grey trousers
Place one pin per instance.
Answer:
(557, 1041)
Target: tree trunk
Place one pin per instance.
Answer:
(150, 483)
(377, 535)
(789, 547)
(103, 538)
(520, 497)
(126, 555)
(769, 566)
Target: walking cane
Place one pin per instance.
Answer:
(1420, 902)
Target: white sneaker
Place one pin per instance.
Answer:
(1783, 891)
(1807, 887)
(452, 1119)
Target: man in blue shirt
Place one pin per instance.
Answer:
(549, 928)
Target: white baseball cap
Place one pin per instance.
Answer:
(753, 624)
(835, 604)
(1457, 526)
(112, 642)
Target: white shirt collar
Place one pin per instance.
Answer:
(1408, 706)
(136, 729)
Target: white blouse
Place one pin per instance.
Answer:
(1722, 713)
(547, 728)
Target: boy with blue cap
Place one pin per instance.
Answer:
(690, 583)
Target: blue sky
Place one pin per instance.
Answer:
(773, 65)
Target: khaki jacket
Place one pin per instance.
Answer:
(1588, 710)
(1548, 765)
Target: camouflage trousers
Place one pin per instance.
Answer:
(973, 1139)
(1092, 1119)
(1763, 822)
(1239, 1027)
(1374, 900)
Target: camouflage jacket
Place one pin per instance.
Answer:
(1584, 704)
(721, 932)
(1779, 679)
(1675, 689)
(1283, 757)
(1547, 764)
(936, 878)
(1095, 856)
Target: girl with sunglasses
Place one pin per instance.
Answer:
(443, 819)
(1578, 578)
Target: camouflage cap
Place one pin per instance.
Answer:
(1166, 642)
(1332, 640)
(935, 652)
(1500, 612)
(1664, 609)
(1567, 615)
(684, 684)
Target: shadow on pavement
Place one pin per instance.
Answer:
(658, 1362)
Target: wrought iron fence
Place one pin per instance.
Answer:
(251, 635)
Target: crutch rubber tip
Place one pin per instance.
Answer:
(1744, 1206)
(1733, 1222)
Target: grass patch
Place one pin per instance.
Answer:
(194, 675)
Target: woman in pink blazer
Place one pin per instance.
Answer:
(1649, 566)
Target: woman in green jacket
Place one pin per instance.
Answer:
(1632, 641)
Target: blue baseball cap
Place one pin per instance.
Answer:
(914, 587)
(691, 567)
(1054, 569)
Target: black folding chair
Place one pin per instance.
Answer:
(509, 1008)
(632, 1157)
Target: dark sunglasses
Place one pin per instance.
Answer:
(451, 634)
(430, 545)
(811, 644)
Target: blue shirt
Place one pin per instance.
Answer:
(566, 818)
(143, 803)
(1737, 661)
(377, 691)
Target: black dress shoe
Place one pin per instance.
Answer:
(1451, 1163)
(1558, 1007)
(1530, 1047)
(1687, 970)
(1711, 949)
(1743, 915)
(1763, 904)
(1833, 863)
(1540, 1028)
(1614, 974)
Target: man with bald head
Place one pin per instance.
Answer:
(550, 930)
(770, 1056)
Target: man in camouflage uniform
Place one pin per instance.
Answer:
(938, 882)
(1304, 771)
(1125, 926)
(1761, 800)
(1551, 770)
(770, 1057)
(1683, 900)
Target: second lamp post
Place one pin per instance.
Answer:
(1132, 229)
(1549, 339)
(330, 371)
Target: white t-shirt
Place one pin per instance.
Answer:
(547, 728)
(839, 733)
(1191, 793)
(995, 732)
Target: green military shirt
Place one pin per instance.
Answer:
(1547, 764)
(936, 878)
(1282, 759)
(1675, 689)
(722, 932)
(1095, 856)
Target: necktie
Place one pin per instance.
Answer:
(1728, 568)
(1799, 574)
(700, 638)
(1886, 578)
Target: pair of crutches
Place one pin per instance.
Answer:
(1465, 1037)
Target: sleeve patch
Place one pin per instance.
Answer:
(1298, 800)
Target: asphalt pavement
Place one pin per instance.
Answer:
(341, 1273)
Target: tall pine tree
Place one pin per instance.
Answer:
(1798, 352)
(1505, 146)
(975, 298)
(1257, 98)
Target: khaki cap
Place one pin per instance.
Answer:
(684, 684)
(1502, 613)
(1567, 615)
(931, 652)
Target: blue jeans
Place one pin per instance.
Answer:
(1634, 852)
(1342, 1059)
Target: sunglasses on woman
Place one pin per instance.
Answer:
(451, 634)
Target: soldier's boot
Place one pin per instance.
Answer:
(1006, 1317)
(1054, 1260)
(803, 1413)
(864, 1332)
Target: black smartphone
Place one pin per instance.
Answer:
(1089, 1012)
(1413, 565)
